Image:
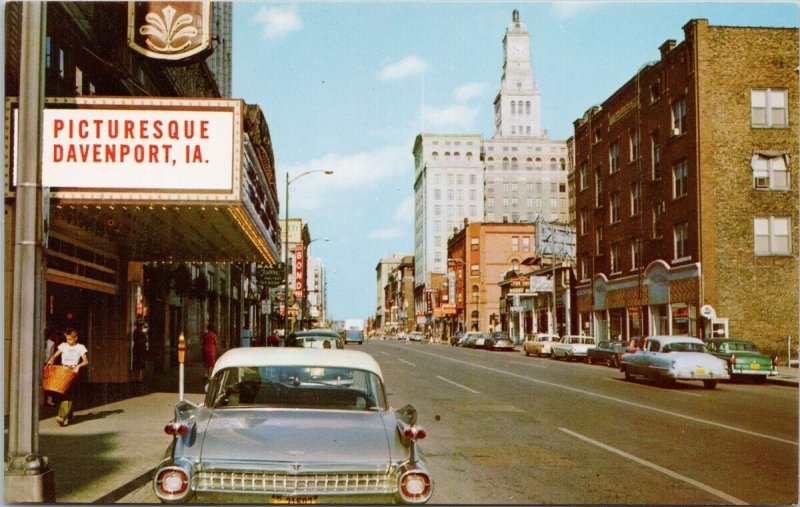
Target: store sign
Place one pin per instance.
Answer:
(299, 270)
(140, 146)
(541, 284)
(170, 30)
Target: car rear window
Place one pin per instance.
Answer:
(302, 387)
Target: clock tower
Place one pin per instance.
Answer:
(517, 106)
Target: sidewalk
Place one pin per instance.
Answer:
(111, 449)
(786, 375)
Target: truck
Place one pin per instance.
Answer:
(354, 331)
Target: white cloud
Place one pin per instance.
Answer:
(564, 9)
(405, 210)
(469, 91)
(408, 66)
(352, 173)
(387, 233)
(451, 118)
(278, 21)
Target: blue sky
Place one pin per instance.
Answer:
(348, 86)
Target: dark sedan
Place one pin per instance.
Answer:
(607, 352)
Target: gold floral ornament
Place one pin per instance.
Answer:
(168, 30)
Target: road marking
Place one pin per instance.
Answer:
(384, 353)
(410, 364)
(657, 468)
(528, 363)
(611, 398)
(646, 386)
(458, 385)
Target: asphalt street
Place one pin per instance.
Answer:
(502, 429)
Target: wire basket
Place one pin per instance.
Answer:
(58, 378)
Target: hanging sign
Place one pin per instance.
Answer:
(170, 30)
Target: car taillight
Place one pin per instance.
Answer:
(176, 429)
(415, 486)
(172, 482)
(415, 433)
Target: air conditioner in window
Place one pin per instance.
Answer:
(762, 182)
(676, 131)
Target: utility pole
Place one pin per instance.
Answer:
(28, 477)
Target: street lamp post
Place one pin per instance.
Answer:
(286, 248)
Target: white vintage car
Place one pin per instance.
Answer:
(670, 358)
(294, 425)
(572, 347)
(539, 344)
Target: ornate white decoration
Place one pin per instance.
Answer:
(168, 30)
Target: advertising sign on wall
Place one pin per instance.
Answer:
(169, 30)
(299, 267)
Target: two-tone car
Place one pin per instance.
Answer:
(498, 340)
(743, 358)
(474, 340)
(294, 425)
(539, 344)
(666, 359)
(572, 347)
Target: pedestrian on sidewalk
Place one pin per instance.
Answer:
(51, 341)
(209, 349)
(139, 352)
(73, 354)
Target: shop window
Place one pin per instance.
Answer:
(684, 318)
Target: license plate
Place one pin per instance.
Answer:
(699, 371)
(295, 500)
(755, 366)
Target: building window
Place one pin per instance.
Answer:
(474, 270)
(526, 243)
(515, 243)
(772, 235)
(538, 164)
(598, 187)
(636, 198)
(553, 164)
(584, 267)
(614, 205)
(584, 177)
(490, 202)
(584, 222)
(450, 194)
(598, 240)
(655, 157)
(490, 187)
(437, 194)
(437, 210)
(505, 163)
(770, 171)
(680, 234)
(475, 244)
(528, 107)
(615, 258)
(769, 108)
(679, 117)
(636, 253)
(613, 157)
(680, 172)
(634, 144)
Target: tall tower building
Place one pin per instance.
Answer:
(525, 171)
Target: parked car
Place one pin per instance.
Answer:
(354, 336)
(670, 358)
(456, 338)
(294, 425)
(607, 352)
(315, 338)
(743, 358)
(498, 340)
(572, 347)
(539, 344)
(474, 340)
(416, 336)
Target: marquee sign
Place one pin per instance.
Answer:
(170, 30)
(141, 145)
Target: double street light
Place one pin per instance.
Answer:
(286, 247)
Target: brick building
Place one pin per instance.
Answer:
(685, 209)
(480, 255)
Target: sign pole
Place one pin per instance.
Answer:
(181, 360)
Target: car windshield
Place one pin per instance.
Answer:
(501, 336)
(317, 387)
(683, 347)
(318, 342)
